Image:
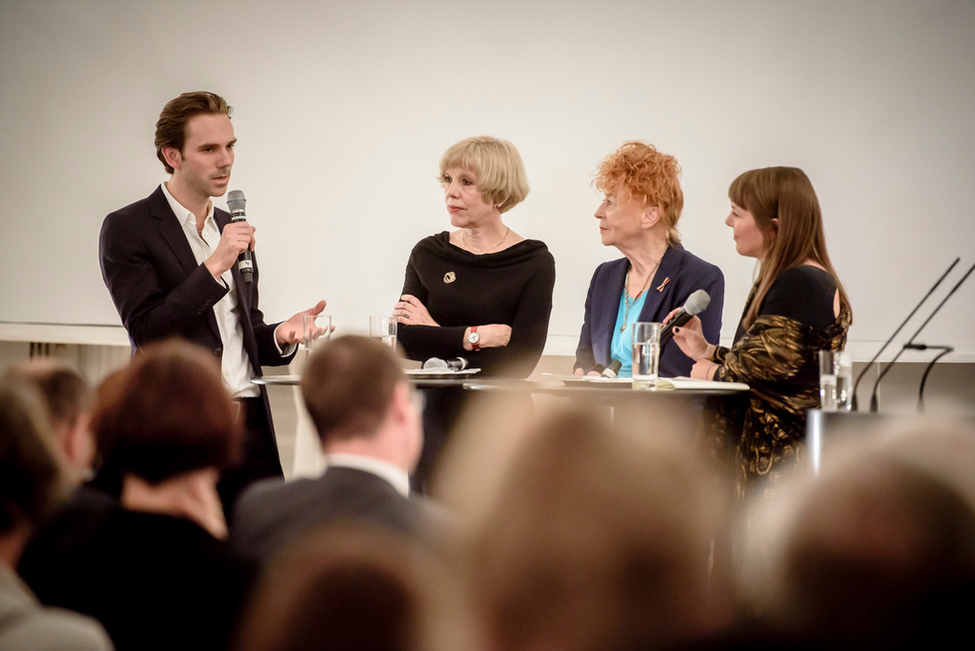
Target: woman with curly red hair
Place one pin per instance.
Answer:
(638, 216)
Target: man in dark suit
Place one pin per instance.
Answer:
(369, 424)
(169, 264)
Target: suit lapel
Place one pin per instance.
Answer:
(607, 310)
(173, 234)
(243, 298)
(171, 231)
(244, 293)
(662, 284)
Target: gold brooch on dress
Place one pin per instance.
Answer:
(449, 277)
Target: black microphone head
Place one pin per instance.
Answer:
(236, 201)
(697, 302)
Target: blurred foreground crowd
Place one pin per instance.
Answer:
(544, 530)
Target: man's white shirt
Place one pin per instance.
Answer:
(235, 365)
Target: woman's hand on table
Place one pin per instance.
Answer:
(410, 311)
(580, 373)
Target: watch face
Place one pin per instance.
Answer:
(474, 337)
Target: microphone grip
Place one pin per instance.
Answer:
(245, 261)
(667, 332)
(612, 370)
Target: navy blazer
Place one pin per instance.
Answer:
(161, 291)
(686, 272)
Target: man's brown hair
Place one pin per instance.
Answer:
(171, 127)
(348, 386)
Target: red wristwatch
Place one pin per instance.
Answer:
(473, 338)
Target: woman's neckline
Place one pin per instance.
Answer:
(489, 252)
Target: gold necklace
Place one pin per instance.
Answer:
(627, 301)
(473, 250)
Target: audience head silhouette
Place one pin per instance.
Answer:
(359, 400)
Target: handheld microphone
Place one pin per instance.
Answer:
(453, 364)
(694, 305)
(612, 370)
(245, 262)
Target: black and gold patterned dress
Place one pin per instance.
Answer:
(778, 358)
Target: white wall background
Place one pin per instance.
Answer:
(342, 110)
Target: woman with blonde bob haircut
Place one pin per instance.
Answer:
(482, 291)
(502, 179)
(796, 308)
(639, 213)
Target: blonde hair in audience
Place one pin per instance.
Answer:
(598, 537)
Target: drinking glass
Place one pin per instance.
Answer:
(646, 354)
(383, 327)
(835, 380)
(317, 330)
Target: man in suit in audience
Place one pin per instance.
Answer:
(170, 264)
(370, 428)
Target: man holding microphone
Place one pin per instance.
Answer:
(169, 262)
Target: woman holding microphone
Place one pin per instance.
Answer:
(796, 308)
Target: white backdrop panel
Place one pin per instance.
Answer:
(343, 109)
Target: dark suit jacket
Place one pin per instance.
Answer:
(272, 513)
(154, 581)
(160, 291)
(687, 274)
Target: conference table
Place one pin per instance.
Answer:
(681, 399)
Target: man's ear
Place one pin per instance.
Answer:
(402, 402)
(173, 157)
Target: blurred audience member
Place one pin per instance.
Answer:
(29, 487)
(599, 538)
(69, 399)
(369, 425)
(156, 572)
(878, 551)
(347, 588)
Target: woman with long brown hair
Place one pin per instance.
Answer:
(796, 308)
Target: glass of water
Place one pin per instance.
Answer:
(835, 380)
(646, 354)
(317, 330)
(383, 327)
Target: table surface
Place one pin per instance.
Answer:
(599, 389)
(548, 386)
(419, 382)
